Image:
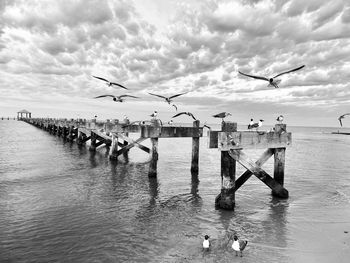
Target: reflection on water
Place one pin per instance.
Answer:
(60, 202)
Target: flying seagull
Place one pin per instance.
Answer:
(109, 83)
(272, 81)
(256, 125)
(120, 98)
(342, 117)
(168, 99)
(222, 115)
(186, 113)
(238, 245)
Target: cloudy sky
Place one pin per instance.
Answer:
(49, 50)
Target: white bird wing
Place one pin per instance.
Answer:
(160, 96)
(119, 85)
(101, 78)
(177, 95)
(102, 96)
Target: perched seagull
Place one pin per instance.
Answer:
(250, 124)
(222, 115)
(342, 117)
(170, 122)
(238, 245)
(116, 98)
(154, 114)
(109, 83)
(280, 119)
(187, 113)
(256, 125)
(272, 81)
(206, 243)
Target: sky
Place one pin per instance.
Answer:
(50, 49)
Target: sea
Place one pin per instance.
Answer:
(60, 202)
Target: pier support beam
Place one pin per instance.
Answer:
(195, 151)
(279, 159)
(113, 155)
(226, 199)
(93, 141)
(152, 172)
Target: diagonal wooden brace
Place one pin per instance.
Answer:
(247, 174)
(135, 143)
(249, 164)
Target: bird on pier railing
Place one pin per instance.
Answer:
(186, 113)
(272, 81)
(168, 99)
(109, 83)
(116, 98)
(154, 114)
(222, 115)
(238, 245)
(280, 119)
(342, 117)
(250, 124)
(256, 125)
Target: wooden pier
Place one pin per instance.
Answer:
(229, 141)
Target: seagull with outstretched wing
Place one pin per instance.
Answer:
(272, 81)
(186, 113)
(168, 99)
(342, 117)
(120, 98)
(109, 83)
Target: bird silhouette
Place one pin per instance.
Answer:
(272, 81)
(109, 83)
(120, 98)
(238, 245)
(222, 115)
(186, 113)
(168, 99)
(342, 117)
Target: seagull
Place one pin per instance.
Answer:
(250, 124)
(167, 99)
(187, 113)
(109, 83)
(342, 117)
(170, 122)
(238, 245)
(280, 119)
(272, 81)
(154, 114)
(222, 115)
(206, 243)
(256, 125)
(116, 98)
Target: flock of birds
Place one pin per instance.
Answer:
(273, 82)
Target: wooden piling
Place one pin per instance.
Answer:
(114, 148)
(226, 199)
(93, 138)
(152, 172)
(125, 143)
(195, 151)
(279, 159)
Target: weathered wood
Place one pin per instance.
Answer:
(247, 174)
(134, 143)
(93, 138)
(114, 147)
(245, 161)
(195, 151)
(213, 141)
(279, 163)
(169, 132)
(252, 140)
(226, 199)
(152, 172)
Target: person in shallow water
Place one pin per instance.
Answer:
(206, 243)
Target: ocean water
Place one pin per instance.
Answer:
(62, 203)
